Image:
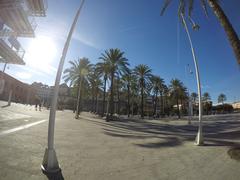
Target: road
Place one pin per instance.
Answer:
(90, 148)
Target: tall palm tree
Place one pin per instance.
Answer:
(103, 69)
(207, 104)
(219, 13)
(118, 64)
(157, 87)
(221, 98)
(127, 81)
(194, 97)
(183, 97)
(77, 73)
(164, 94)
(206, 96)
(134, 92)
(175, 90)
(95, 83)
(143, 74)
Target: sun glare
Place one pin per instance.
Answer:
(41, 52)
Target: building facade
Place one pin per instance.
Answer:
(18, 91)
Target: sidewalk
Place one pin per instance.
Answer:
(92, 149)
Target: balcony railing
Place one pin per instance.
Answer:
(14, 15)
(37, 7)
(11, 51)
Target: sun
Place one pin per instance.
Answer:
(41, 52)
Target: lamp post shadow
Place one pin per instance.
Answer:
(54, 175)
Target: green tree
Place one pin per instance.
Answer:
(221, 98)
(77, 73)
(118, 64)
(194, 97)
(143, 74)
(95, 85)
(207, 104)
(127, 81)
(103, 69)
(175, 91)
(157, 87)
(206, 97)
(219, 13)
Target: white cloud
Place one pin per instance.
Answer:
(77, 36)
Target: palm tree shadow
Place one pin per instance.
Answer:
(168, 142)
(216, 133)
(5, 106)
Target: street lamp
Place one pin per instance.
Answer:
(199, 137)
(50, 164)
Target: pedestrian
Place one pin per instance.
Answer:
(40, 105)
(37, 103)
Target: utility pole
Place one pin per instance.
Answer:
(199, 138)
(50, 164)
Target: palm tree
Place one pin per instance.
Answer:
(221, 98)
(207, 104)
(127, 81)
(206, 97)
(134, 93)
(157, 86)
(117, 63)
(194, 97)
(175, 90)
(164, 94)
(77, 73)
(95, 83)
(143, 74)
(103, 70)
(219, 13)
(183, 97)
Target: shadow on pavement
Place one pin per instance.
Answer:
(55, 176)
(216, 133)
(5, 106)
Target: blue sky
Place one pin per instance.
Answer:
(137, 28)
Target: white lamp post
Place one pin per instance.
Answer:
(50, 163)
(199, 138)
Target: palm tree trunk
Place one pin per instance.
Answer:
(111, 97)
(104, 96)
(92, 109)
(162, 104)
(155, 105)
(142, 113)
(118, 96)
(78, 99)
(128, 100)
(95, 104)
(231, 33)
(132, 108)
(178, 111)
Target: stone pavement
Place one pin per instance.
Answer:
(92, 149)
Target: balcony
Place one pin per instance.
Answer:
(11, 52)
(15, 17)
(37, 7)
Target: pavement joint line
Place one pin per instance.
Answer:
(6, 132)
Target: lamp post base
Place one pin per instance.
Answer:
(199, 139)
(50, 164)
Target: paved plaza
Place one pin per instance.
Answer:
(91, 149)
